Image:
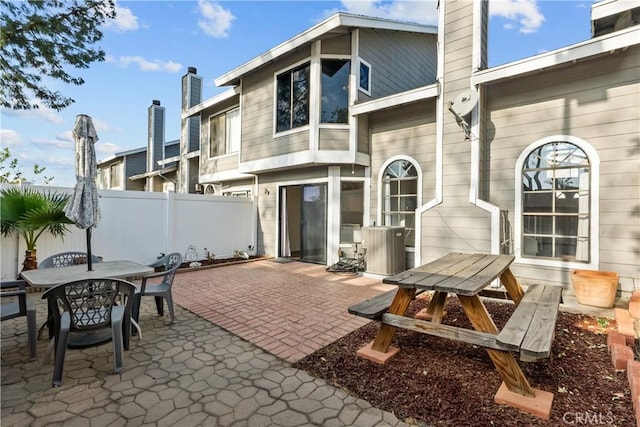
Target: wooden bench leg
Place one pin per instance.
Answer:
(435, 310)
(505, 363)
(378, 351)
(512, 286)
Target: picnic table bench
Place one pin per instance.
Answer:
(529, 331)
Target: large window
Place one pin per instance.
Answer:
(556, 203)
(400, 197)
(115, 171)
(292, 103)
(335, 91)
(224, 133)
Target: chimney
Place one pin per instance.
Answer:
(192, 95)
(155, 143)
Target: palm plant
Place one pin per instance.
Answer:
(30, 213)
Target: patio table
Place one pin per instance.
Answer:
(529, 330)
(49, 277)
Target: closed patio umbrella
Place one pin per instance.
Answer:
(83, 207)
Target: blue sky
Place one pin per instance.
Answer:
(151, 43)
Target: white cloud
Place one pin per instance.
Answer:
(10, 138)
(525, 13)
(422, 12)
(62, 141)
(125, 20)
(215, 20)
(145, 64)
(40, 114)
(106, 149)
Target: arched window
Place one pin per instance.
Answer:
(399, 185)
(556, 203)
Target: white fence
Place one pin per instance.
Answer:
(139, 226)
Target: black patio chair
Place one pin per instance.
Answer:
(20, 306)
(159, 284)
(89, 309)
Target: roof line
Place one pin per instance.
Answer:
(340, 19)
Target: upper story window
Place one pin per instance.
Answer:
(556, 205)
(224, 133)
(115, 171)
(364, 79)
(292, 98)
(335, 91)
(400, 197)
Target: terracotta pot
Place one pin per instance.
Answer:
(595, 288)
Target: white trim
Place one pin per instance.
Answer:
(395, 100)
(539, 63)
(224, 96)
(300, 158)
(223, 176)
(315, 73)
(605, 8)
(333, 214)
(418, 169)
(353, 94)
(331, 24)
(476, 55)
(594, 214)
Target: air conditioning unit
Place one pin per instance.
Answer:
(209, 189)
(385, 249)
(199, 189)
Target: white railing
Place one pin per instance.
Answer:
(139, 226)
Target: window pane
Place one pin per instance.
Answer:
(335, 91)
(566, 202)
(365, 75)
(534, 180)
(565, 248)
(537, 224)
(217, 139)
(567, 226)
(409, 186)
(537, 202)
(351, 211)
(283, 103)
(233, 131)
(300, 99)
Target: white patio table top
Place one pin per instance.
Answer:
(49, 277)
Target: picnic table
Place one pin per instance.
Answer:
(529, 330)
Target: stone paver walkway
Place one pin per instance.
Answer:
(194, 372)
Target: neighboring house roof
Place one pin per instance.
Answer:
(596, 46)
(336, 24)
(158, 172)
(133, 151)
(196, 109)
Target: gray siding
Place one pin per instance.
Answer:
(408, 130)
(340, 45)
(334, 139)
(395, 70)
(363, 135)
(258, 114)
(135, 164)
(456, 224)
(599, 102)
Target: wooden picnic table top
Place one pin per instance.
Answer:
(458, 273)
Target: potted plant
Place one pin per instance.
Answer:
(30, 213)
(595, 288)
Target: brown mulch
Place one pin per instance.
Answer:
(436, 381)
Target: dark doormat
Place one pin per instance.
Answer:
(283, 260)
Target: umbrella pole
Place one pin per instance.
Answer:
(89, 265)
